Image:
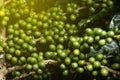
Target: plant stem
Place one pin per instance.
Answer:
(24, 75)
(111, 70)
(117, 37)
(3, 33)
(50, 61)
(15, 68)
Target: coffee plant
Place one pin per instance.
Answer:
(59, 40)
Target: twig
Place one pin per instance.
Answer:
(116, 37)
(82, 8)
(15, 68)
(50, 61)
(79, 8)
(110, 56)
(7, 2)
(24, 75)
(3, 69)
(3, 33)
(111, 70)
(38, 39)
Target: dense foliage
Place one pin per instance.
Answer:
(60, 40)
